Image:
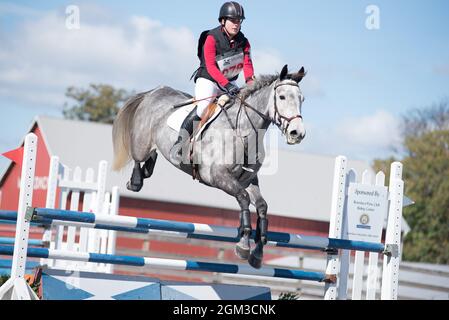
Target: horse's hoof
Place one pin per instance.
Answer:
(241, 252)
(255, 262)
(243, 248)
(133, 187)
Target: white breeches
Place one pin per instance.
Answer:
(205, 88)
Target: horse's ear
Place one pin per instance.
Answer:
(299, 75)
(283, 73)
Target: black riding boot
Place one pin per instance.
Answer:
(184, 134)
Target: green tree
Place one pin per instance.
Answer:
(98, 103)
(426, 174)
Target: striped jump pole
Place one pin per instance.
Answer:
(172, 264)
(31, 242)
(195, 230)
(10, 217)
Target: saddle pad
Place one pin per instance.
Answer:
(175, 120)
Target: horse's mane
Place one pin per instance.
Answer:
(261, 81)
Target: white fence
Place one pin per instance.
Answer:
(65, 184)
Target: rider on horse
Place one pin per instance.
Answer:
(224, 52)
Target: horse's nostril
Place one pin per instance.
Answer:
(294, 133)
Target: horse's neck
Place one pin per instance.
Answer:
(260, 101)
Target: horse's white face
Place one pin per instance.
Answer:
(286, 110)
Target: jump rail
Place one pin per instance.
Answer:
(31, 242)
(171, 264)
(189, 230)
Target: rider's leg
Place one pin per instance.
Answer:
(205, 88)
(187, 126)
(184, 134)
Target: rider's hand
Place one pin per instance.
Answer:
(232, 90)
(250, 80)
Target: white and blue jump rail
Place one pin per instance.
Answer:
(170, 264)
(31, 242)
(46, 216)
(335, 277)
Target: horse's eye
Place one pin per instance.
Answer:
(282, 97)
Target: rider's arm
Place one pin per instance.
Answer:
(211, 65)
(248, 69)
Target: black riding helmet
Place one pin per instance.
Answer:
(231, 10)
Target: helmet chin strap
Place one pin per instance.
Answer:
(226, 31)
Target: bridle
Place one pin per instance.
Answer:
(278, 118)
(277, 114)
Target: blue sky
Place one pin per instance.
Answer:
(359, 81)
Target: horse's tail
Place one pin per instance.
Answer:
(121, 131)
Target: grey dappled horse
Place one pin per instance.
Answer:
(140, 129)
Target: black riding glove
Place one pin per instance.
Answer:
(232, 90)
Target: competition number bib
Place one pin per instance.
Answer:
(231, 66)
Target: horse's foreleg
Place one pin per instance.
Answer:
(136, 181)
(256, 256)
(230, 185)
(242, 249)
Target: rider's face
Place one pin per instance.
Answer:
(232, 26)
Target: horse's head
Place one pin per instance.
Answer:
(286, 108)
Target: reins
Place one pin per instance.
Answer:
(277, 114)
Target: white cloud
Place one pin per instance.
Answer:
(42, 57)
(377, 130)
(441, 69)
(267, 61)
(311, 86)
